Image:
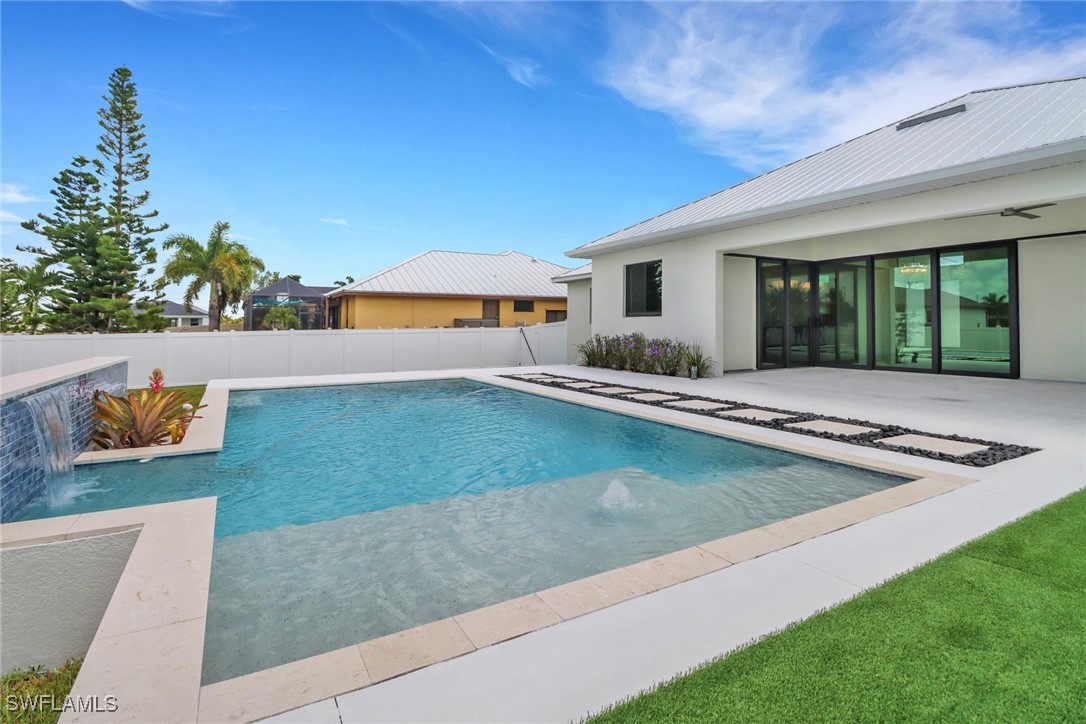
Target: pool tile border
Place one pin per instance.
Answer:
(774, 418)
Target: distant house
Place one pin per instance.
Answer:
(452, 289)
(950, 242)
(308, 302)
(179, 316)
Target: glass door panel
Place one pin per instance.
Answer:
(842, 313)
(772, 305)
(799, 314)
(974, 298)
(903, 312)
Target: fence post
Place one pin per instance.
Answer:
(395, 366)
(343, 356)
(290, 353)
(230, 364)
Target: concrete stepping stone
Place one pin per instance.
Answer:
(582, 385)
(698, 405)
(651, 397)
(754, 414)
(834, 428)
(933, 444)
(614, 390)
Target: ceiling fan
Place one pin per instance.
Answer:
(1021, 211)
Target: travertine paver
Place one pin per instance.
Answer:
(744, 546)
(271, 691)
(754, 414)
(414, 648)
(684, 565)
(582, 385)
(593, 593)
(933, 444)
(614, 390)
(698, 405)
(651, 397)
(836, 428)
(506, 620)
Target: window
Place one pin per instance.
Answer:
(644, 289)
(523, 305)
(556, 315)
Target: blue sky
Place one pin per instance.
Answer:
(340, 138)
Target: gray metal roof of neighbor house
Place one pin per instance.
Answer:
(995, 132)
(575, 275)
(291, 288)
(463, 274)
(173, 309)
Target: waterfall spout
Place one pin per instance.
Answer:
(53, 431)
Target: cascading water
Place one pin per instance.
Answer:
(52, 428)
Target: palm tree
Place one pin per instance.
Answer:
(34, 285)
(225, 266)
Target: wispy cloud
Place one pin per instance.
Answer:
(14, 194)
(523, 70)
(337, 221)
(163, 8)
(751, 81)
(8, 217)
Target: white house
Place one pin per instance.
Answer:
(834, 259)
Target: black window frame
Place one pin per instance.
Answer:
(629, 272)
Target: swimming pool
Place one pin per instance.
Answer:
(347, 513)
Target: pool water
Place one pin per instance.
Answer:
(347, 513)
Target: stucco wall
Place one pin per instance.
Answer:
(578, 326)
(1052, 308)
(55, 595)
(388, 312)
(699, 289)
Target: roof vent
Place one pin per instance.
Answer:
(930, 117)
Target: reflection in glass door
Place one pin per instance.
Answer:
(784, 304)
(842, 313)
(975, 319)
(903, 313)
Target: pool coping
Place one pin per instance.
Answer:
(295, 684)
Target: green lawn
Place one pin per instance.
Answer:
(46, 689)
(193, 393)
(994, 631)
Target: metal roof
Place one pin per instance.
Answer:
(1026, 126)
(291, 288)
(581, 272)
(464, 274)
(173, 309)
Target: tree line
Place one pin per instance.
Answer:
(95, 269)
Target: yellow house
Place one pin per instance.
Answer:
(452, 289)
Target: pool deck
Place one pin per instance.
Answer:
(579, 666)
(562, 653)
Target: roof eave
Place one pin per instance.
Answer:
(1052, 155)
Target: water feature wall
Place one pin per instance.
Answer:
(33, 414)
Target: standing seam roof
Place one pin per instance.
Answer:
(996, 122)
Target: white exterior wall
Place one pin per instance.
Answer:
(578, 321)
(1052, 308)
(191, 358)
(702, 295)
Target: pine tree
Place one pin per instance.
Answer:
(124, 162)
(96, 274)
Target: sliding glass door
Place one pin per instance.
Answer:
(842, 313)
(903, 312)
(975, 310)
(784, 304)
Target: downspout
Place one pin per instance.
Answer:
(525, 337)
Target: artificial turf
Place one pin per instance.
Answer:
(993, 631)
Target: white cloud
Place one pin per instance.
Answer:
(336, 221)
(523, 70)
(751, 81)
(14, 194)
(8, 217)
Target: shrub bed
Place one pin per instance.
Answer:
(637, 353)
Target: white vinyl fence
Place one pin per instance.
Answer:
(189, 358)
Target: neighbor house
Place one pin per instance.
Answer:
(832, 260)
(308, 302)
(452, 289)
(181, 316)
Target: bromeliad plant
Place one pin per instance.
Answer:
(142, 418)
